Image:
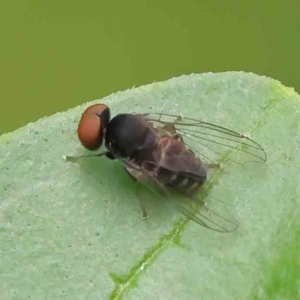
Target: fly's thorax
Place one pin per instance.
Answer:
(129, 134)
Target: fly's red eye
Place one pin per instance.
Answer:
(91, 125)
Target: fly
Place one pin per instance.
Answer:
(171, 152)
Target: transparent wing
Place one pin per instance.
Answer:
(210, 142)
(214, 214)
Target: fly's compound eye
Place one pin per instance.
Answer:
(92, 124)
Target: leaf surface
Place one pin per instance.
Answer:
(74, 230)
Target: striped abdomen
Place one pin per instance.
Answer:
(171, 164)
(174, 165)
(180, 180)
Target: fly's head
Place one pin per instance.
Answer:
(92, 126)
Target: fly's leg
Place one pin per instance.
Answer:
(141, 203)
(143, 208)
(77, 158)
(213, 165)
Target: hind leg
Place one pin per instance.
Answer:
(141, 202)
(143, 208)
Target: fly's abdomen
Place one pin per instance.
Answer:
(179, 180)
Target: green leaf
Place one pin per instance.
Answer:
(74, 230)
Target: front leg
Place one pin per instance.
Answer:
(77, 158)
(213, 165)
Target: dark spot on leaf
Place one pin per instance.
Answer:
(97, 233)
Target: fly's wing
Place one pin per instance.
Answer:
(210, 142)
(213, 215)
(172, 155)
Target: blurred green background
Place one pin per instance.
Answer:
(58, 54)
